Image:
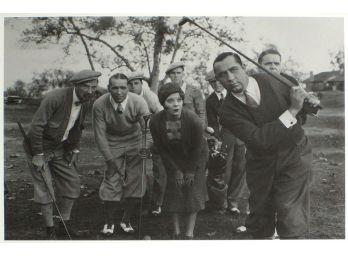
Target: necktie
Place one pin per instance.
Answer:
(249, 100)
(119, 108)
(222, 98)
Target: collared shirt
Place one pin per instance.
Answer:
(74, 114)
(253, 90)
(115, 105)
(223, 92)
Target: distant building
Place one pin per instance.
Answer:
(326, 81)
(13, 99)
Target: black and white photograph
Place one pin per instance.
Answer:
(184, 127)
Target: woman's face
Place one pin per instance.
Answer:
(173, 105)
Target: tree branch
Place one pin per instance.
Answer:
(147, 56)
(83, 42)
(177, 44)
(127, 63)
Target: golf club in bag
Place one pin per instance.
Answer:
(144, 154)
(216, 186)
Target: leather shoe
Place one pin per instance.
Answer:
(157, 211)
(51, 233)
(127, 227)
(108, 230)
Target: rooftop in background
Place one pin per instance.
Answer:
(326, 76)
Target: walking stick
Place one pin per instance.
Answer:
(42, 171)
(143, 155)
(313, 110)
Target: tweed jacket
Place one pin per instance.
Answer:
(213, 105)
(194, 102)
(51, 120)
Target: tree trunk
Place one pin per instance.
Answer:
(159, 38)
(177, 44)
(176, 48)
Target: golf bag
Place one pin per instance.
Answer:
(216, 186)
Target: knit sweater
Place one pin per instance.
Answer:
(115, 130)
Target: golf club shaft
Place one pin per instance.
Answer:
(185, 19)
(273, 75)
(42, 172)
(146, 119)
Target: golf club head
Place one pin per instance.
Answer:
(184, 20)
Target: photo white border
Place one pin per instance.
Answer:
(293, 8)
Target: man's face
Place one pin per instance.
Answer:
(231, 75)
(271, 62)
(176, 75)
(86, 90)
(118, 89)
(216, 85)
(135, 86)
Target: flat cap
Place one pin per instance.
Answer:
(85, 75)
(135, 75)
(210, 76)
(175, 65)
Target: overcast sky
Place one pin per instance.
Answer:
(307, 40)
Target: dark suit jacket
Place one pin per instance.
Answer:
(260, 129)
(301, 117)
(51, 120)
(213, 106)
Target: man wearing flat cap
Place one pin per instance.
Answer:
(193, 96)
(54, 138)
(135, 85)
(235, 167)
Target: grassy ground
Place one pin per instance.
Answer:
(327, 195)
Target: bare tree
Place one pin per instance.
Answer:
(136, 43)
